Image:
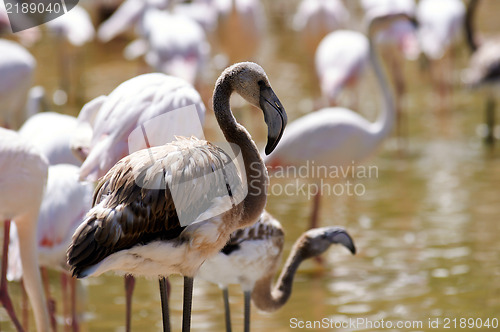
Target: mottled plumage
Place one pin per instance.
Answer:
(251, 259)
(154, 217)
(139, 214)
(251, 253)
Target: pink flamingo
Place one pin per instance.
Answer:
(171, 43)
(340, 60)
(53, 143)
(64, 205)
(338, 136)
(314, 19)
(23, 173)
(131, 104)
(399, 42)
(240, 28)
(70, 31)
(440, 25)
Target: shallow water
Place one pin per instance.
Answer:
(426, 228)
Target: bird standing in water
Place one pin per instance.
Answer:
(135, 226)
(251, 259)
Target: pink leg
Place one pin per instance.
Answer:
(51, 303)
(400, 89)
(129, 290)
(4, 295)
(24, 306)
(64, 294)
(74, 314)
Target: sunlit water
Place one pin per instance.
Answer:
(426, 228)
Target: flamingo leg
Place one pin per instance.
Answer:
(32, 279)
(247, 298)
(129, 290)
(187, 305)
(24, 306)
(490, 121)
(4, 295)
(227, 310)
(74, 315)
(164, 294)
(64, 295)
(51, 303)
(63, 90)
(400, 88)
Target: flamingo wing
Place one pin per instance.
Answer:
(149, 195)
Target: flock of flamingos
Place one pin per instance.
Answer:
(75, 196)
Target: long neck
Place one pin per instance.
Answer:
(385, 120)
(255, 170)
(269, 298)
(470, 36)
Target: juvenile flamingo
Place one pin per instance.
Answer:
(251, 259)
(135, 226)
(106, 124)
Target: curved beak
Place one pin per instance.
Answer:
(340, 236)
(274, 115)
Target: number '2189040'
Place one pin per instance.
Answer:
(25, 8)
(470, 323)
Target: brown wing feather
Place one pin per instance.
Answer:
(127, 214)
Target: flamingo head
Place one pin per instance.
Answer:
(317, 240)
(251, 82)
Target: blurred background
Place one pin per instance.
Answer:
(426, 228)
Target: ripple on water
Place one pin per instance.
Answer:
(360, 308)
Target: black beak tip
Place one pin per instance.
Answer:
(269, 148)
